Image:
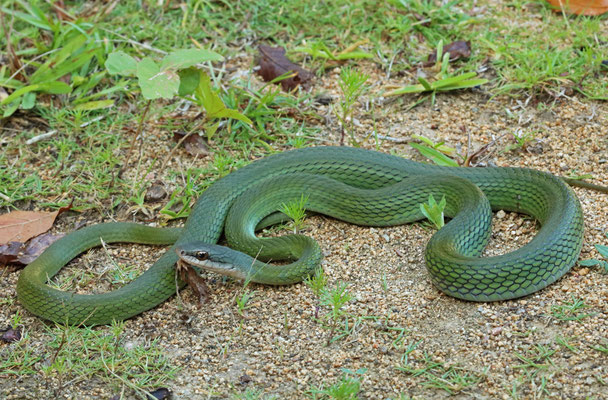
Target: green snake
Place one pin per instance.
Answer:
(360, 186)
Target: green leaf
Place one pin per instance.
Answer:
(189, 79)
(120, 63)
(603, 250)
(453, 80)
(49, 87)
(155, 84)
(94, 105)
(28, 101)
(11, 108)
(436, 156)
(433, 211)
(425, 83)
(185, 58)
(407, 90)
(212, 102)
(424, 139)
(49, 70)
(56, 87)
(464, 85)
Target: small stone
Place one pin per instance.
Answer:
(501, 214)
(496, 331)
(583, 271)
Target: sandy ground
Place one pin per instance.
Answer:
(279, 346)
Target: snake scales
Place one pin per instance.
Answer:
(399, 185)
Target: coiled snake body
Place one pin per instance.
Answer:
(373, 189)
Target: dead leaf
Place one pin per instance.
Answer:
(18, 253)
(458, 49)
(20, 226)
(11, 335)
(273, 63)
(159, 394)
(10, 252)
(37, 245)
(193, 144)
(155, 192)
(580, 7)
(198, 285)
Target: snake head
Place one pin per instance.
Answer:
(214, 258)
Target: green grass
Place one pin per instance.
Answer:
(570, 311)
(521, 63)
(433, 374)
(73, 354)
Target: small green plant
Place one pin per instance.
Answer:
(352, 85)
(603, 250)
(243, 300)
(565, 342)
(296, 210)
(522, 140)
(434, 211)
(570, 311)
(444, 82)
(320, 50)
(336, 299)
(537, 358)
(453, 379)
(347, 388)
(439, 153)
(317, 282)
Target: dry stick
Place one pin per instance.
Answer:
(139, 131)
(483, 149)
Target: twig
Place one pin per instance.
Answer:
(48, 134)
(41, 137)
(393, 139)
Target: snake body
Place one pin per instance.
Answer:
(451, 254)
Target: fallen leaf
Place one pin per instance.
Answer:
(155, 192)
(37, 245)
(159, 394)
(18, 253)
(458, 49)
(193, 144)
(580, 7)
(9, 252)
(273, 63)
(11, 335)
(20, 226)
(198, 285)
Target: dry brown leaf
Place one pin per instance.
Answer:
(193, 144)
(458, 49)
(273, 63)
(11, 335)
(19, 254)
(20, 226)
(581, 7)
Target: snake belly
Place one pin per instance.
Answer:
(549, 255)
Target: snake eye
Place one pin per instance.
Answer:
(201, 255)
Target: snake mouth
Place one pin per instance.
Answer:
(209, 263)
